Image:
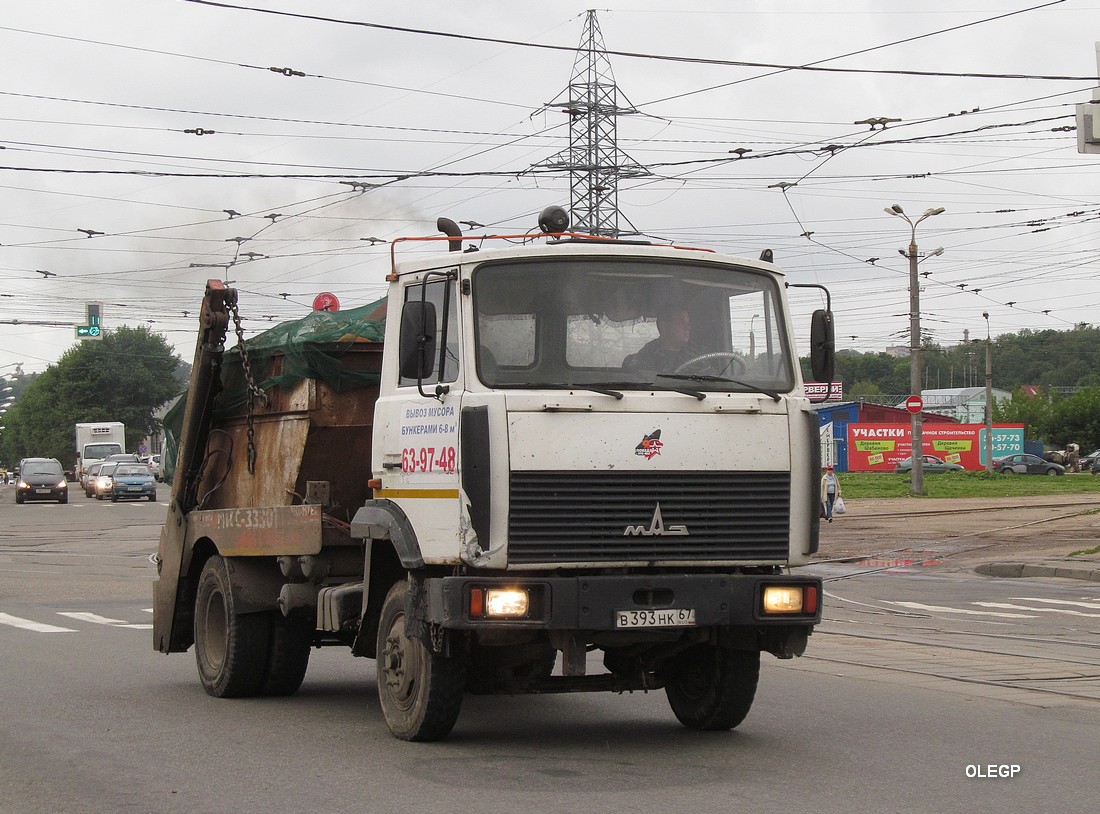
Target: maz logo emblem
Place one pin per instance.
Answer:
(657, 528)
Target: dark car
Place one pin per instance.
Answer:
(132, 481)
(929, 463)
(41, 479)
(1027, 464)
(1089, 461)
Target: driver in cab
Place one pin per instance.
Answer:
(670, 349)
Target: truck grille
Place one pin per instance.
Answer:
(564, 517)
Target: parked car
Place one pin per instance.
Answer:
(1027, 464)
(41, 479)
(132, 481)
(1090, 460)
(87, 480)
(930, 464)
(103, 485)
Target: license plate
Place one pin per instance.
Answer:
(667, 617)
(42, 491)
(133, 488)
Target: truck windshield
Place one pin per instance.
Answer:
(630, 324)
(95, 451)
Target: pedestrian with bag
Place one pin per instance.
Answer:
(830, 494)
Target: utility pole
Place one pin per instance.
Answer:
(594, 160)
(988, 397)
(917, 478)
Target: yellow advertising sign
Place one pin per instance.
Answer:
(868, 445)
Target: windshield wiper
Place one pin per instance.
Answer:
(702, 377)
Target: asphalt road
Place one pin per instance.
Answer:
(895, 707)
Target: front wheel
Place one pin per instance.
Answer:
(1053, 471)
(420, 691)
(712, 688)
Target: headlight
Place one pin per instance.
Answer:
(23, 485)
(61, 484)
(499, 603)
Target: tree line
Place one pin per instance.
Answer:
(1060, 369)
(126, 376)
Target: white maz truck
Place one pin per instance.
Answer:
(95, 441)
(487, 483)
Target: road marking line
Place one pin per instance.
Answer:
(102, 620)
(1010, 606)
(1094, 605)
(942, 609)
(27, 624)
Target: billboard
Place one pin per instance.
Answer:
(878, 447)
(829, 391)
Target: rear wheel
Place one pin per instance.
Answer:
(231, 649)
(712, 688)
(1008, 470)
(287, 654)
(420, 691)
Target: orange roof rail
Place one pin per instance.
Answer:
(524, 237)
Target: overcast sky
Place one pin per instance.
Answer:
(447, 108)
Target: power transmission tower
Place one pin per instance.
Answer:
(594, 160)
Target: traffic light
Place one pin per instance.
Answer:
(92, 328)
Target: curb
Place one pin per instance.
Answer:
(1014, 570)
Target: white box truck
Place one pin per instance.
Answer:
(96, 440)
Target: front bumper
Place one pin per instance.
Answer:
(42, 493)
(593, 603)
(123, 492)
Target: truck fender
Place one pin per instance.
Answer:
(384, 520)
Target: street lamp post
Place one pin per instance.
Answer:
(988, 396)
(917, 481)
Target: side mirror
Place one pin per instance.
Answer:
(822, 346)
(417, 343)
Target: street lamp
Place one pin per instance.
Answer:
(988, 396)
(917, 481)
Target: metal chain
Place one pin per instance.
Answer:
(435, 632)
(254, 393)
